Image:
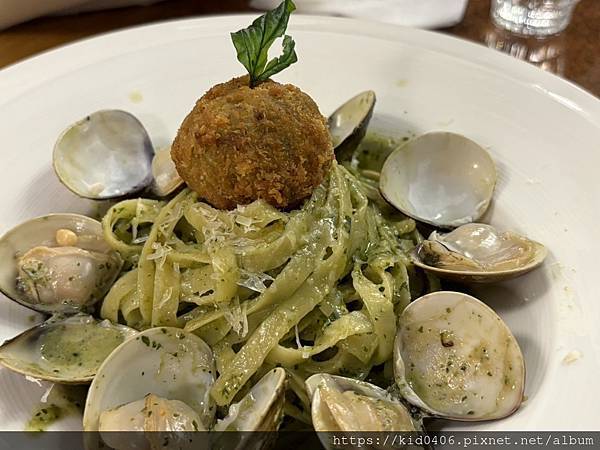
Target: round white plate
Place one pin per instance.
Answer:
(543, 133)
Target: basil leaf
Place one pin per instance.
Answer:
(276, 65)
(252, 44)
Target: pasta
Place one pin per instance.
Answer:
(316, 289)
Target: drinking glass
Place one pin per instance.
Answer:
(533, 17)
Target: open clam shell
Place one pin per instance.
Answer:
(348, 124)
(64, 350)
(261, 409)
(166, 179)
(346, 404)
(478, 253)
(455, 358)
(440, 178)
(57, 263)
(106, 155)
(173, 365)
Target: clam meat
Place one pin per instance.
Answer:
(479, 253)
(176, 367)
(152, 413)
(57, 263)
(346, 404)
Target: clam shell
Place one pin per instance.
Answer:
(440, 178)
(477, 253)
(63, 350)
(166, 179)
(152, 413)
(41, 231)
(348, 124)
(106, 155)
(261, 409)
(455, 358)
(167, 362)
(346, 404)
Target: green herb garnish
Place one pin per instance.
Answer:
(252, 44)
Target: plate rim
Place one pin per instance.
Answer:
(39, 70)
(561, 90)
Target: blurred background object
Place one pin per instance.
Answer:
(548, 54)
(17, 11)
(533, 17)
(411, 13)
(574, 53)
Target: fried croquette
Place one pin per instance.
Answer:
(240, 144)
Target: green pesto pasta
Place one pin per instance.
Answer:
(317, 289)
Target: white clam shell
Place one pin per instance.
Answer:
(455, 358)
(165, 361)
(66, 276)
(348, 124)
(166, 178)
(106, 155)
(67, 351)
(261, 409)
(440, 178)
(478, 253)
(346, 404)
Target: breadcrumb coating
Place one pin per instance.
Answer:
(240, 144)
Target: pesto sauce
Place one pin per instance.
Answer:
(77, 349)
(62, 401)
(43, 417)
(374, 149)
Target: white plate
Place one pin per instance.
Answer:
(542, 131)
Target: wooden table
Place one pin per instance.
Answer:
(574, 54)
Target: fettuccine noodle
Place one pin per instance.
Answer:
(316, 289)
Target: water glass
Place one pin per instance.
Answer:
(533, 17)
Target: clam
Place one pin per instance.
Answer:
(440, 178)
(58, 263)
(152, 413)
(348, 124)
(109, 155)
(345, 404)
(150, 423)
(63, 350)
(455, 358)
(176, 368)
(478, 253)
(261, 409)
(106, 155)
(166, 180)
